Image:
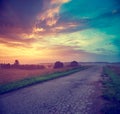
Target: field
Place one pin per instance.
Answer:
(104, 82)
(115, 68)
(23, 78)
(11, 75)
(111, 89)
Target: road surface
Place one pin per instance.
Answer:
(78, 93)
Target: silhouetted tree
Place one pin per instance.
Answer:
(74, 64)
(16, 63)
(5, 66)
(58, 64)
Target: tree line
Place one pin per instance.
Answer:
(17, 65)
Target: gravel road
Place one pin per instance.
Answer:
(78, 93)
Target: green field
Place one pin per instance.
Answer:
(4, 88)
(111, 91)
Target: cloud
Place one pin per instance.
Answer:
(60, 27)
(68, 53)
(17, 17)
(34, 19)
(50, 14)
(16, 41)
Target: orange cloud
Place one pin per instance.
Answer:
(59, 1)
(51, 14)
(35, 30)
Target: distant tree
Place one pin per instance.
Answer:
(74, 64)
(16, 63)
(58, 64)
(5, 66)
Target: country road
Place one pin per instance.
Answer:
(78, 93)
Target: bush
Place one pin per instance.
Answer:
(58, 64)
(74, 64)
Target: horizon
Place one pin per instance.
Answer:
(46, 31)
(57, 61)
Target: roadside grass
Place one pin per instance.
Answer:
(111, 92)
(4, 88)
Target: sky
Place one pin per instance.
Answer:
(35, 31)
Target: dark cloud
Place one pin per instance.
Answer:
(20, 14)
(105, 20)
(18, 17)
(105, 51)
(101, 21)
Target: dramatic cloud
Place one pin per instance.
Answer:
(48, 30)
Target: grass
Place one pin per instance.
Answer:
(111, 92)
(4, 88)
(12, 75)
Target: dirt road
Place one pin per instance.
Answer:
(78, 93)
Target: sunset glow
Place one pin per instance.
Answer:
(36, 31)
